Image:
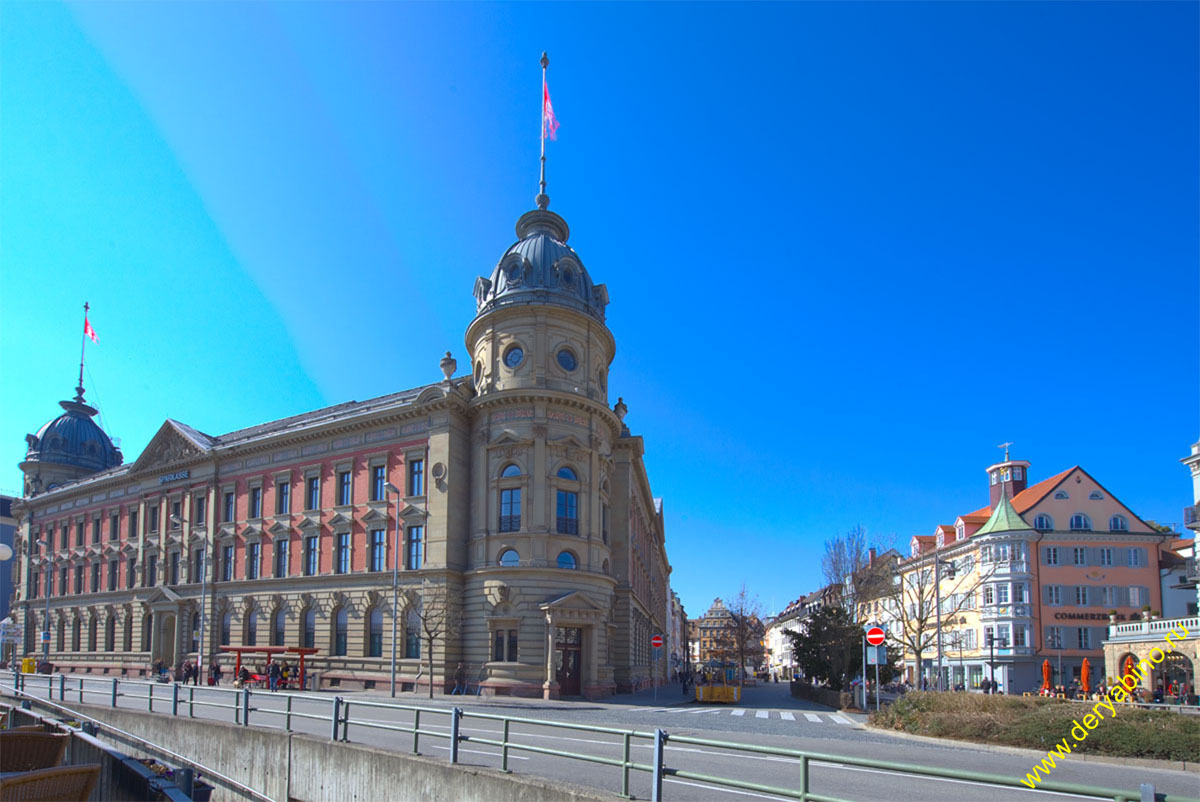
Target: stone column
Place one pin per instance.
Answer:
(550, 686)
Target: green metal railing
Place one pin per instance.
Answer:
(339, 718)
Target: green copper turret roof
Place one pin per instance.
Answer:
(1004, 519)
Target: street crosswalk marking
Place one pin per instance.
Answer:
(738, 712)
(812, 717)
(786, 716)
(840, 719)
(762, 714)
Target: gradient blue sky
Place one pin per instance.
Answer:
(850, 246)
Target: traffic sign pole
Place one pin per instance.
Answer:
(874, 636)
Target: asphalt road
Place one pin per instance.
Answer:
(767, 716)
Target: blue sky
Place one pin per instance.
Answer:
(850, 246)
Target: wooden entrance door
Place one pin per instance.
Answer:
(569, 660)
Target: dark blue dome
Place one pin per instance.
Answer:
(541, 268)
(74, 439)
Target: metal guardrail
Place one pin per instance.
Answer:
(340, 720)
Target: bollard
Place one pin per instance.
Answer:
(455, 718)
(416, 726)
(81, 690)
(287, 720)
(191, 701)
(245, 707)
(114, 692)
(336, 717)
(185, 778)
(660, 739)
(150, 697)
(504, 750)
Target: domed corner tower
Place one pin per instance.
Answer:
(67, 448)
(539, 319)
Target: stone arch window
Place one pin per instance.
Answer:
(605, 568)
(250, 628)
(278, 627)
(1081, 523)
(76, 639)
(341, 629)
(110, 634)
(510, 498)
(127, 635)
(510, 470)
(1095, 495)
(567, 472)
(567, 501)
(62, 635)
(93, 632)
(309, 633)
(1117, 523)
(509, 558)
(1043, 523)
(194, 637)
(567, 560)
(226, 627)
(412, 633)
(375, 632)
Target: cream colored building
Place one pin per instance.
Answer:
(527, 538)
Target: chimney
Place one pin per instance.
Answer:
(870, 557)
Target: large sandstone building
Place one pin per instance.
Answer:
(531, 549)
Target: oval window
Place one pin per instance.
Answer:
(514, 356)
(566, 359)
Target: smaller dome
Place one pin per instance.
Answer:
(73, 439)
(541, 268)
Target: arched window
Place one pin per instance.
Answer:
(195, 636)
(1043, 523)
(1061, 494)
(62, 636)
(1117, 523)
(110, 634)
(341, 625)
(566, 472)
(147, 630)
(251, 638)
(1080, 523)
(509, 558)
(127, 640)
(310, 628)
(93, 633)
(1095, 495)
(76, 641)
(278, 628)
(226, 628)
(375, 633)
(567, 560)
(510, 471)
(412, 634)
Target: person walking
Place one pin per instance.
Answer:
(273, 677)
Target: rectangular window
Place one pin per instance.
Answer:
(227, 563)
(79, 534)
(113, 568)
(1002, 594)
(176, 514)
(96, 530)
(1079, 555)
(78, 579)
(130, 574)
(114, 527)
(378, 549)
(989, 594)
(151, 570)
(230, 507)
(1081, 595)
(314, 493)
(281, 558)
(133, 524)
(1054, 594)
(176, 562)
(1135, 596)
(1019, 636)
(283, 498)
(568, 512)
(1135, 558)
(412, 644)
(604, 522)
(198, 566)
(343, 488)
(63, 539)
(200, 510)
(510, 510)
(1106, 557)
(34, 585)
(415, 554)
(416, 477)
(1052, 555)
(1019, 596)
(512, 646)
(342, 563)
(1085, 637)
(311, 550)
(255, 503)
(377, 480)
(252, 560)
(152, 523)
(498, 646)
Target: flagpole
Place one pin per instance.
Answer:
(82, 350)
(543, 200)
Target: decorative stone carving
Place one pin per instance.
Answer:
(621, 409)
(448, 364)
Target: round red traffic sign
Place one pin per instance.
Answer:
(875, 636)
(656, 641)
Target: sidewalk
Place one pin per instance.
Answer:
(668, 696)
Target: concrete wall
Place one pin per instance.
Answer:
(308, 768)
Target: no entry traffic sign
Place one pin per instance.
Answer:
(875, 636)
(656, 641)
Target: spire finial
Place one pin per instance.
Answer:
(1005, 446)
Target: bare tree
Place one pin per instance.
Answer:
(746, 629)
(845, 555)
(439, 617)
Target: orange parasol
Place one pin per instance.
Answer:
(1085, 678)
(1046, 675)
(1129, 663)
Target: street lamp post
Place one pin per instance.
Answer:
(937, 582)
(46, 589)
(392, 489)
(203, 568)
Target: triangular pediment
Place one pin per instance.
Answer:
(373, 515)
(174, 444)
(412, 513)
(574, 600)
(340, 518)
(569, 441)
(279, 528)
(312, 521)
(162, 595)
(508, 437)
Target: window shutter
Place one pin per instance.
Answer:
(1045, 594)
(1120, 556)
(1142, 560)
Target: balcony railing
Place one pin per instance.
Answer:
(510, 523)
(1191, 516)
(1136, 630)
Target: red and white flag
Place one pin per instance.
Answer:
(88, 331)
(549, 121)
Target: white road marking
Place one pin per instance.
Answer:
(786, 716)
(704, 710)
(813, 717)
(840, 719)
(738, 712)
(762, 714)
(723, 790)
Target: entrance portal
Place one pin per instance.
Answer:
(569, 660)
(166, 641)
